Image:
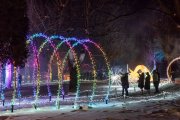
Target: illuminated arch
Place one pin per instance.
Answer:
(48, 40)
(93, 67)
(40, 49)
(65, 58)
(73, 39)
(64, 40)
(107, 64)
(14, 87)
(30, 40)
(98, 47)
(174, 60)
(59, 74)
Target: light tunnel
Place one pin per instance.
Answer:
(60, 69)
(61, 62)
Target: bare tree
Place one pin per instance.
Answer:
(46, 16)
(168, 27)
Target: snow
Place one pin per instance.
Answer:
(133, 111)
(152, 109)
(136, 107)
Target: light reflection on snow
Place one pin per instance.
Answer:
(23, 108)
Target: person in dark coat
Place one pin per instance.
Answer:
(125, 84)
(19, 80)
(141, 82)
(156, 80)
(147, 82)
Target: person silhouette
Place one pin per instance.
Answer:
(125, 84)
(147, 82)
(141, 82)
(156, 80)
(19, 80)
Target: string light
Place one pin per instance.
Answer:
(48, 81)
(78, 99)
(57, 57)
(92, 62)
(30, 40)
(83, 99)
(107, 64)
(14, 86)
(94, 72)
(59, 73)
(2, 86)
(60, 79)
(78, 74)
(37, 64)
(38, 82)
(96, 45)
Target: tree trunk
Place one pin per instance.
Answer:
(73, 77)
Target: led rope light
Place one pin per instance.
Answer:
(14, 87)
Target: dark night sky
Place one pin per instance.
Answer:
(128, 26)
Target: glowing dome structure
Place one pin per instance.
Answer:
(134, 76)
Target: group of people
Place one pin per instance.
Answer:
(143, 82)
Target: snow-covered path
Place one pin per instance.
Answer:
(152, 109)
(156, 110)
(136, 107)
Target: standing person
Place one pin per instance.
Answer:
(141, 82)
(125, 84)
(147, 82)
(19, 80)
(156, 80)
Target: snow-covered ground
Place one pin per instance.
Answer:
(156, 109)
(163, 106)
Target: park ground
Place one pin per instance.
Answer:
(135, 107)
